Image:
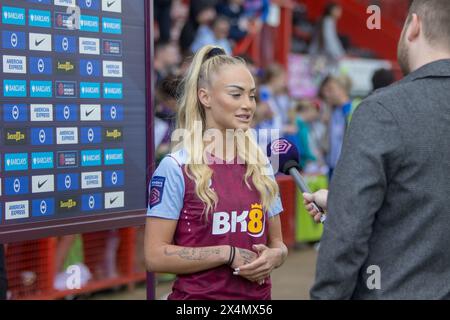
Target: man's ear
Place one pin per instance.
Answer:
(204, 97)
(414, 28)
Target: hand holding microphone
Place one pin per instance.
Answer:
(289, 164)
(320, 198)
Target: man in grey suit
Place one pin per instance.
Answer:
(387, 233)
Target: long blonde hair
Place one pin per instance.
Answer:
(192, 119)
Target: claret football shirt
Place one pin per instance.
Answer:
(238, 220)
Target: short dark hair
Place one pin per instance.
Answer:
(435, 15)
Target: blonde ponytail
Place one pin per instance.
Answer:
(191, 118)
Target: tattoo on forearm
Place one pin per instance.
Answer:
(193, 253)
(246, 255)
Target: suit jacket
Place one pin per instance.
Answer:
(389, 208)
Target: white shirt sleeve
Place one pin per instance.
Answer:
(166, 190)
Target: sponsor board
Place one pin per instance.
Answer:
(15, 64)
(114, 200)
(41, 112)
(16, 210)
(67, 135)
(91, 180)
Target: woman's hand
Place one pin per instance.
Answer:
(243, 257)
(320, 198)
(261, 268)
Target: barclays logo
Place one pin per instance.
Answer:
(13, 15)
(113, 26)
(15, 88)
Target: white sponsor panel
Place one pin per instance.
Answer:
(114, 200)
(16, 210)
(41, 112)
(112, 5)
(0, 186)
(67, 135)
(40, 42)
(15, 64)
(89, 45)
(90, 112)
(90, 180)
(65, 3)
(41, 184)
(112, 69)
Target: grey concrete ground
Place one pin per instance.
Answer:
(290, 282)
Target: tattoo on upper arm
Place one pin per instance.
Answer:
(193, 253)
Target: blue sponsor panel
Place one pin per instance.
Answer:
(42, 136)
(68, 181)
(89, 23)
(39, 18)
(90, 202)
(67, 112)
(112, 90)
(91, 158)
(17, 186)
(42, 160)
(114, 178)
(13, 15)
(91, 135)
(90, 68)
(41, 89)
(89, 90)
(15, 88)
(89, 4)
(113, 157)
(113, 112)
(13, 40)
(65, 44)
(16, 161)
(15, 112)
(43, 207)
(111, 25)
(42, 66)
(65, 89)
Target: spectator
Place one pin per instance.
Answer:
(273, 91)
(165, 115)
(326, 40)
(311, 133)
(167, 59)
(201, 12)
(162, 16)
(234, 11)
(217, 36)
(335, 92)
(382, 78)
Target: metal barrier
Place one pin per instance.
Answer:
(111, 257)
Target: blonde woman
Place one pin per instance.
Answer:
(213, 219)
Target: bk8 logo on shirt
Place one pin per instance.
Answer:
(251, 222)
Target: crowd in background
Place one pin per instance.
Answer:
(316, 126)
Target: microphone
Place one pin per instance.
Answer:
(289, 164)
